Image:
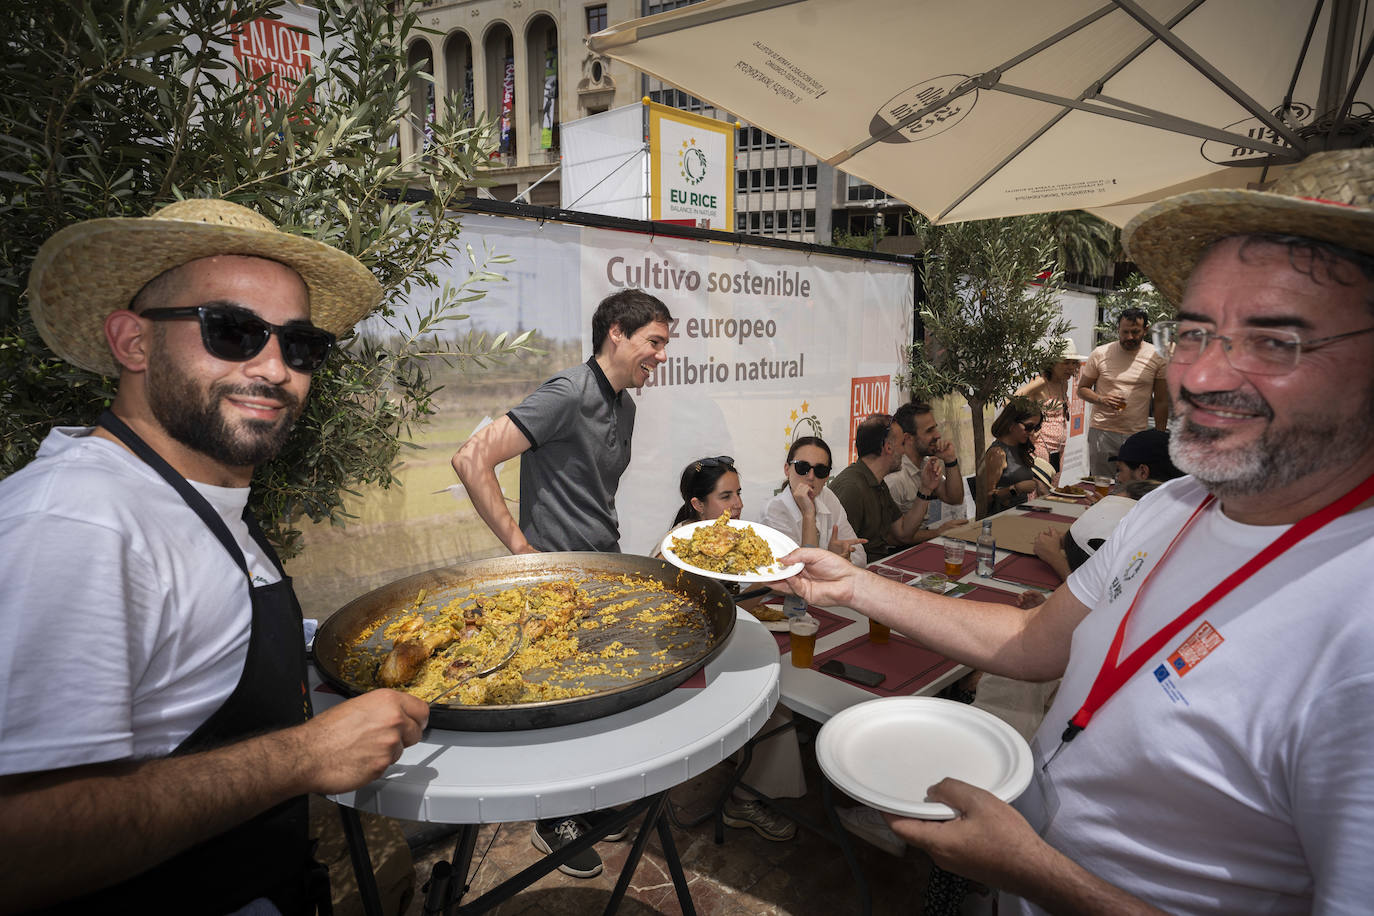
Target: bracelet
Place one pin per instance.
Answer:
(928, 497)
(950, 464)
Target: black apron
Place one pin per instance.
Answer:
(268, 856)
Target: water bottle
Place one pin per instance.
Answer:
(793, 606)
(987, 550)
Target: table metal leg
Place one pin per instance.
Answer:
(362, 862)
(665, 838)
(841, 837)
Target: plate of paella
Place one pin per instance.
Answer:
(731, 550)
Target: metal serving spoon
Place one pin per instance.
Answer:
(515, 646)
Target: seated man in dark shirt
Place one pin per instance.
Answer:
(866, 499)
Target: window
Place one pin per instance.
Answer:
(768, 221)
(754, 221)
(596, 18)
(755, 179)
(811, 219)
(796, 220)
(755, 138)
(797, 179)
(782, 220)
(742, 181)
(741, 222)
(769, 179)
(810, 176)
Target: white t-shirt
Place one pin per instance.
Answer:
(1236, 778)
(781, 512)
(124, 623)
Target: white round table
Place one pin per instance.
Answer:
(471, 778)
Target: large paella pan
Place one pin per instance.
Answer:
(640, 627)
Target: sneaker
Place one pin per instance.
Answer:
(766, 823)
(597, 816)
(867, 823)
(550, 836)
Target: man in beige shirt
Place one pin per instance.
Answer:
(1118, 380)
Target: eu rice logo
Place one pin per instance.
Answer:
(1161, 673)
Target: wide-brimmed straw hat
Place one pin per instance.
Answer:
(1071, 352)
(90, 269)
(1328, 197)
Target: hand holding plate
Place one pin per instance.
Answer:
(989, 841)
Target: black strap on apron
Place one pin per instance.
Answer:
(269, 855)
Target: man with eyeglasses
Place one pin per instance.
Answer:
(1208, 749)
(1119, 379)
(922, 447)
(867, 501)
(155, 731)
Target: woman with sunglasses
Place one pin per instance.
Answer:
(808, 512)
(1051, 389)
(1007, 470)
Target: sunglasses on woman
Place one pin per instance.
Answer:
(720, 461)
(805, 467)
(237, 335)
(1030, 427)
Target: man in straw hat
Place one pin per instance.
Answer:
(155, 737)
(1209, 749)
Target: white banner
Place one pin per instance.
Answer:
(766, 344)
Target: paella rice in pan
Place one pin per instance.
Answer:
(571, 637)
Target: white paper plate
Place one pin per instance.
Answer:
(1067, 494)
(887, 752)
(779, 543)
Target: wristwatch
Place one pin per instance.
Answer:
(928, 497)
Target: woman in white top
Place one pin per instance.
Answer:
(808, 512)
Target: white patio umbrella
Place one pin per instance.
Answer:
(969, 109)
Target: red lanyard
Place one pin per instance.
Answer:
(1112, 675)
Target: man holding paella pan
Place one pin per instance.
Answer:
(156, 738)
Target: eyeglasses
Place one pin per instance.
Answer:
(237, 335)
(1029, 427)
(805, 467)
(720, 461)
(1255, 351)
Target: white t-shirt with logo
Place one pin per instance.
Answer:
(1234, 772)
(124, 623)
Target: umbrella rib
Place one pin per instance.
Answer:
(1149, 117)
(1219, 79)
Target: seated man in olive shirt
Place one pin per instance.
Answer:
(866, 499)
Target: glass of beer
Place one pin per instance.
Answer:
(878, 632)
(954, 559)
(802, 631)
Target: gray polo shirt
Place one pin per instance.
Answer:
(579, 430)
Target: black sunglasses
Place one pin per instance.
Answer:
(1030, 427)
(720, 461)
(805, 467)
(236, 335)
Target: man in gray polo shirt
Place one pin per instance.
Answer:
(574, 433)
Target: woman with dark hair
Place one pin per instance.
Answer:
(709, 486)
(1006, 472)
(1051, 390)
(808, 512)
